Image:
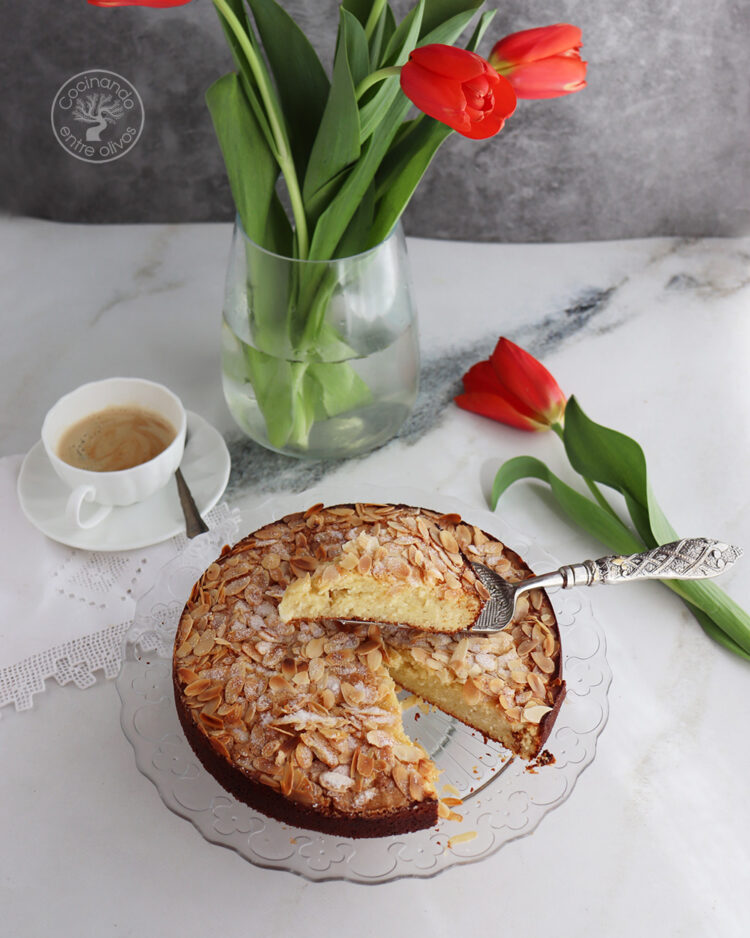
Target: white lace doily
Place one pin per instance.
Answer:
(65, 611)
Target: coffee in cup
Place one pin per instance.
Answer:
(114, 442)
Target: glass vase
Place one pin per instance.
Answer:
(320, 359)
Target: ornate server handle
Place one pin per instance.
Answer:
(689, 559)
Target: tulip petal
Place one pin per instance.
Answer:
(494, 407)
(526, 378)
(549, 78)
(436, 96)
(529, 45)
(449, 61)
(482, 377)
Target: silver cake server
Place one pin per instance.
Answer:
(689, 559)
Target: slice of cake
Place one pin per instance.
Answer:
(300, 718)
(409, 570)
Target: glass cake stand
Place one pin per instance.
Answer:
(502, 799)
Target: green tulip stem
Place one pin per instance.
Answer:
(372, 20)
(374, 77)
(275, 118)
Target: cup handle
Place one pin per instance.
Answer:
(84, 493)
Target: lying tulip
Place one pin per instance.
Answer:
(543, 62)
(458, 88)
(513, 388)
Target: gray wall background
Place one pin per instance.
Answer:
(658, 144)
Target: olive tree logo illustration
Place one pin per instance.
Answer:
(97, 116)
(99, 110)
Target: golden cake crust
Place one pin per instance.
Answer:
(300, 719)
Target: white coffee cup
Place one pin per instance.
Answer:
(122, 486)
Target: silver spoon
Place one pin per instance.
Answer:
(194, 524)
(689, 559)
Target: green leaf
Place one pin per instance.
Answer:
(357, 52)
(580, 509)
(336, 144)
(714, 632)
(275, 382)
(484, 21)
(616, 460)
(249, 83)
(401, 171)
(357, 235)
(441, 12)
(381, 36)
(405, 37)
(301, 81)
(339, 387)
(336, 218)
(243, 144)
(377, 101)
(359, 9)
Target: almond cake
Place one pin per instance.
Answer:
(300, 718)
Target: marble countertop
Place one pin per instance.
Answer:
(653, 337)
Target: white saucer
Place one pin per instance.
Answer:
(205, 466)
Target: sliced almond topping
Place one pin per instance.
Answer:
(197, 687)
(186, 675)
(479, 536)
(365, 764)
(303, 755)
(461, 838)
(335, 781)
(543, 662)
(548, 646)
(460, 651)
(314, 648)
(288, 668)
(537, 685)
(205, 643)
(401, 777)
(214, 692)
(348, 561)
(379, 738)
(278, 683)
(374, 660)
(354, 696)
(448, 541)
(287, 779)
(525, 647)
(328, 698)
(535, 712)
(365, 564)
(449, 520)
(316, 670)
(211, 721)
(472, 694)
(496, 685)
(407, 753)
(367, 646)
(330, 575)
(270, 561)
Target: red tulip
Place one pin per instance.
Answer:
(139, 3)
(543, 62)
(458, 88)
(514, 388)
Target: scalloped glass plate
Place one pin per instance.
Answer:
(502, 799)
